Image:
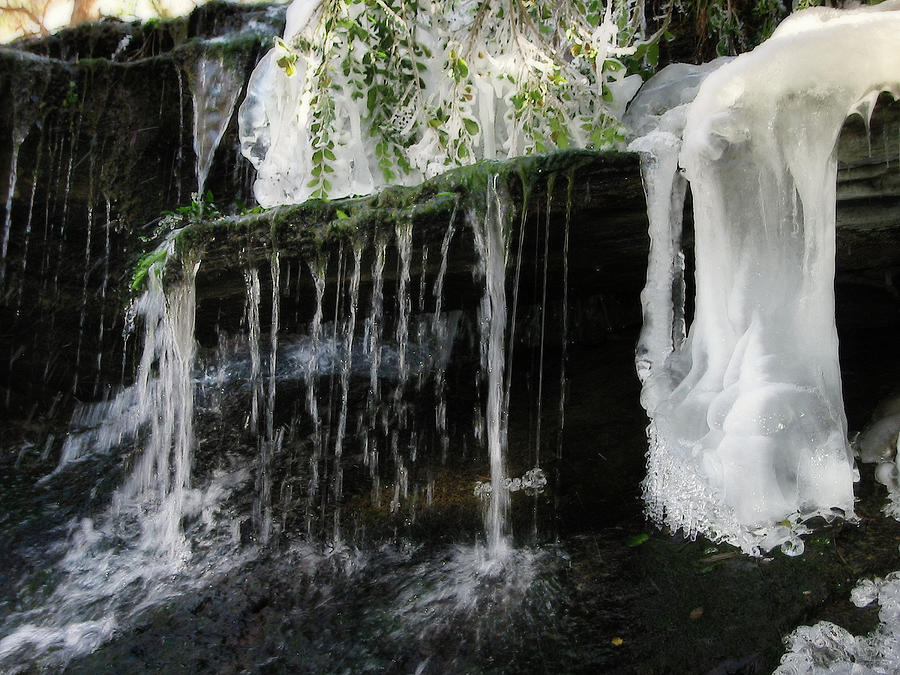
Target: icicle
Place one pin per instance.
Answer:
(272, 442)
(421, 326)
(273, 345)
(7, 221)
(491, 243)
(332, 388)
(404, 248)
(215, 85)
(298, 90)
(373, 347)
(28, 223)
(511, 344)
(23, 117)
(564, 326)
(551, 183)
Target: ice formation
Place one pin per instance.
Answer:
(748, 433)
(828, 648)
(879, 444)
(215, 85)
(357, 96)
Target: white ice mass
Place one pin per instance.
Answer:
(748, 435)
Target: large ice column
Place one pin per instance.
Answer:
(748, 433)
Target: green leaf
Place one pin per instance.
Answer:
(471, 126)
(342, 215)
(637, 539)
(287, 64)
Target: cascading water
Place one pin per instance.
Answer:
(748, 436)
(116, 562)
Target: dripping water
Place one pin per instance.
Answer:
(317, 268)
(346, 363)
(373, 346)
(251, 283)
(439, 330)
(491, 243)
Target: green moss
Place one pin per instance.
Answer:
(308, 229)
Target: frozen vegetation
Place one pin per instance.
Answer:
(355, 98)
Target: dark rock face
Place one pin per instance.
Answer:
(103, 115)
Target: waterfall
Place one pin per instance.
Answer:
(163, 473)
(158, 408)
(748, 435)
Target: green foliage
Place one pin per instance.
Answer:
(737, 27)
(637, 539)
(71, 97)
(142, 269)
(204, 207)
(560, 64)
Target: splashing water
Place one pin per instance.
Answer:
(135, 554)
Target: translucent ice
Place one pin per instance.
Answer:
(828, 648)
(748, 433)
